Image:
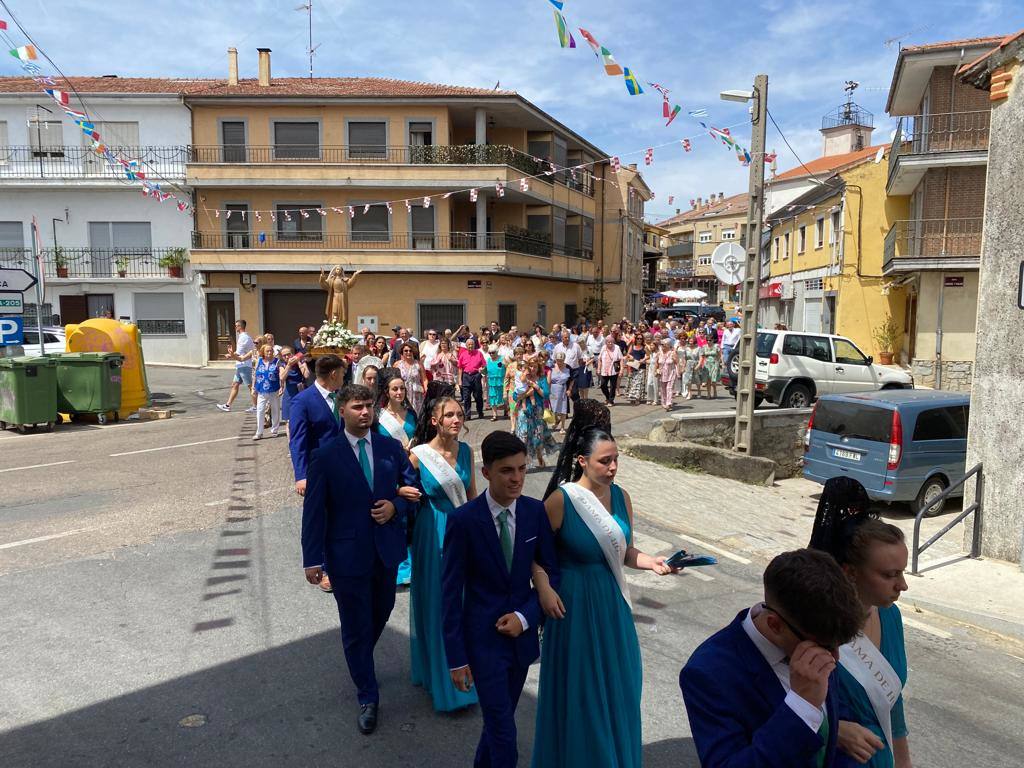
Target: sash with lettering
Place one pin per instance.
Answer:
(444, 473)
(876, 676)
(604, 528)
(394, 427)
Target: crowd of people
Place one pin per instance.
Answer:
(812, 675)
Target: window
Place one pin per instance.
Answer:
(835, 228)
(420, 134)
(775, 251)
(815, 347)
(110, 239)
(847, 354)
(422, 225)
(236, 225)
(853, 420)
(571, 314)
(46, 137)
(728, 234)
(120, 135)
(942, 424)
(558, 216)
(507, 312)
(704, 261)
(704, 237)
(785, 246)
(100, 304)
(292, 225)
(368, 140)
(12, 238)
(538, 144)
(587, 250)
(296, 141)
(814, 284)
(232, 136)
(373, 226)
(160, 313)
(539, 224)
(819, 232)
(440, 316)
(561, 159)
(801, 239)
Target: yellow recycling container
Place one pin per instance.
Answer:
(101, 334)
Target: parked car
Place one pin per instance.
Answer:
(683, 312)
(794, 368)
(53, 335)
(900, 445)
(731, 375)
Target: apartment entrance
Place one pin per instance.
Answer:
(220, 319)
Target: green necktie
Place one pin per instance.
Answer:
(505, 536)
(823, 732)
(364, 462)
(333, 396)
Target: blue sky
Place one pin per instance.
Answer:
(808, 50)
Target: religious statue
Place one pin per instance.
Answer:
(337, 285)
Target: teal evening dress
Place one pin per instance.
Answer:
(426, 640)
(588, 707)
(405, 568)
(856, 699)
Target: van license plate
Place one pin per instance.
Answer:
(839, 453)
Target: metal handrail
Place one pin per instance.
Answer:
(68, 161)
(977, 507)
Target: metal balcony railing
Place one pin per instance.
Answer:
(68, 162)
(942, 132)
(933, 238)
(79, 263)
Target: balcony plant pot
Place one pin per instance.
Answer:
(173, 261)
(174, 271)
(62, 271)
(59, 262)
(122, 267)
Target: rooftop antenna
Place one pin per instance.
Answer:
(308, 8)
(849, 87)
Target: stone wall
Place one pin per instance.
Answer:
(957, 375)
(778, 434)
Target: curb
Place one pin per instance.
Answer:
(987, 622)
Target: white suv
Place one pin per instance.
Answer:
(794, 368)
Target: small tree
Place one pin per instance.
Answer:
(595, 307)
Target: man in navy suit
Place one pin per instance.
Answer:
(490, 609)
(353, 523)
(314, 419)
(761, 693)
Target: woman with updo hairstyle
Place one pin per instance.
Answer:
(447, 479)
(586, 413)
(872, 668)
(588, 707)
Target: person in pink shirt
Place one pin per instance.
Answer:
(666, 369)
(609, 363)
(471, 366)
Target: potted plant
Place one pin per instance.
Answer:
(60, 262)
(121, 262)
(174, 260)
(886, 336)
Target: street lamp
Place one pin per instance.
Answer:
(746, 385)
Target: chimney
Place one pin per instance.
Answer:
(721, 196)
(632, 166)
(678, 211)
(698, 206)
(232, 66)
(264, 72)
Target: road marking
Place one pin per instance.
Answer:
(38, 466)
(37, 539)
(927, 628)
(697, 574)
(216, 503)
(722, 552)
(169, 447)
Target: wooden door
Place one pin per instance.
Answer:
(74, 308)
(220, 318)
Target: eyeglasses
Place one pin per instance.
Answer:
(831, 647)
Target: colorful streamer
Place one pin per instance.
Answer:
(632, 85)
(565, 38)
(671, 117)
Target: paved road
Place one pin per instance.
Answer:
(165, 620)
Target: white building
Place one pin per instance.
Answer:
(102, 239)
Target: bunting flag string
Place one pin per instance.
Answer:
(565, 37)
(631, 82)
(649, 156)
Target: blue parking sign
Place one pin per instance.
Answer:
(12, 331)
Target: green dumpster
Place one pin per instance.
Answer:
(89, 383)
(28, 392)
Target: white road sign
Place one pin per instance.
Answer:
(15, 280)
(11, 304)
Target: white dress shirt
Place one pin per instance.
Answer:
(573, 353)
(325, 394)
(731, 337)
(594, 345)
(775, 656)
(354, 442)
(495, 510)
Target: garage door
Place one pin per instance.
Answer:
(284, 311)
(812, 315)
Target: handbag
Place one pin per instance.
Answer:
(549, 417)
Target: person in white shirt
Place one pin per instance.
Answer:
(730, 340)
(242, 353)
(762, 692)
(575, 361)
(428, 349)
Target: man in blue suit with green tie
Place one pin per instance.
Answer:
(490, 609)
(353, 524)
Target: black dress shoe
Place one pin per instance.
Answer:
(367, 718)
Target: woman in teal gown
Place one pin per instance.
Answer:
(874, 556)
(438, 432)
(588, 708)
(396, 419)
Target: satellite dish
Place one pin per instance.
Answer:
(729, 263)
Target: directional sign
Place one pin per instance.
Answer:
(11, 304)
(12, 331)
(15, 280)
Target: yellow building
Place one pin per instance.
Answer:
(700, 230)
(292, 175)
(825, 257)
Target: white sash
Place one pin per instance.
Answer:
(876, 676)
(444, 473)
(604, 528)
(394, 427)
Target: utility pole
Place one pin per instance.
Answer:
(745, 387)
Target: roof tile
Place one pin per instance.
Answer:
(828, 163)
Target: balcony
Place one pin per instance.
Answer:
(29, 165)
(91, 263)
(936, 141)
(679, 251)
(378, 163)
(930, 244)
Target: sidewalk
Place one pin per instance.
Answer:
(761, 522)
